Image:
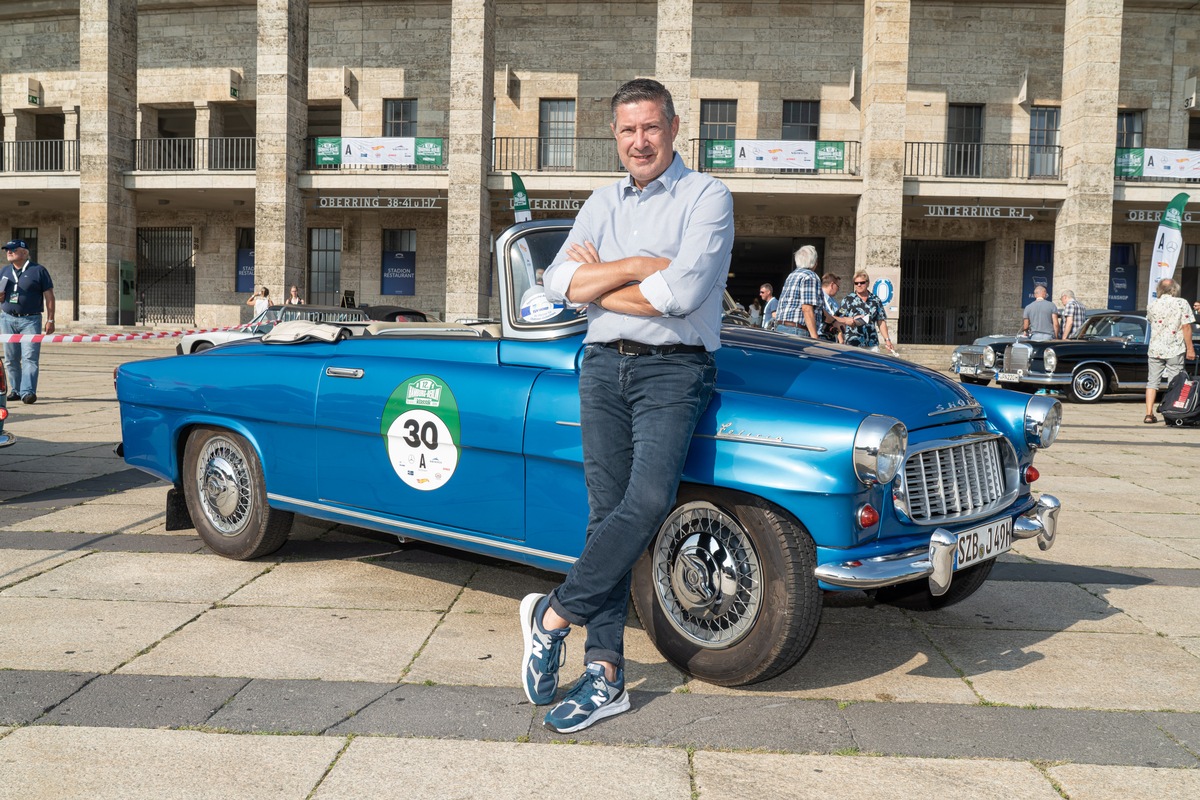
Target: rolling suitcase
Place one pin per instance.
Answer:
(1180, 406)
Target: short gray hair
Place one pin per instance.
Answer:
(1168, 287)
(642, 89)
(1040, 291)
(1067, 293)
(805, 257)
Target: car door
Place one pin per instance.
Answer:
(426, 430)
(1129, 360)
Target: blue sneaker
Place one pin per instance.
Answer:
(590, 700)
(544, 651)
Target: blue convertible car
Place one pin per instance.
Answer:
(816, 467)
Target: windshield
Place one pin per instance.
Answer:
(1115, 327)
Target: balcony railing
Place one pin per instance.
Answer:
(554, 154)
(221, 154)
(40, 155)
(439, 162)
(845, 161)
(983, 161)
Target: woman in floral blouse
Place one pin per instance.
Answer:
(1170, 337)
(870, 318)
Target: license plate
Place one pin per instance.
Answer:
(980, 544)
(968, 370)
(1008, 377)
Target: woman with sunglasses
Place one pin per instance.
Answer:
(870, 319)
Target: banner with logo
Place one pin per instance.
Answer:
(245, 270)
(1167, 244)
(400, 151)
(1122, 278)
(521, 212)
(773, 154)
(1038, 271)
(1147, 162)
(398, 273)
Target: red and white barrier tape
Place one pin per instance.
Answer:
(85, 338)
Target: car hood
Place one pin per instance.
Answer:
(771, 364)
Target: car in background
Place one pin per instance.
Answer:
(1108, 357)
(6, 438)
(975, 363)
(815, 467)
(265, 322)
(395, 313)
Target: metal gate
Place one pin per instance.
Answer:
(166, 277)
(941, 292)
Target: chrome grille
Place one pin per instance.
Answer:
(1017, 357)
(956, 481)
(970, 358)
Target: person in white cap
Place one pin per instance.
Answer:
(26, 291)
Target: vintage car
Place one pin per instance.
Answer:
(6, 438)
(266, 321)
(975, 363)
(1109, 356)
(394, 313)
(816, 466)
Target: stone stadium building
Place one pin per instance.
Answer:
(162, 157)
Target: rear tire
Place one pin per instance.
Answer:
(915, 595)
(227, 497)
(200, 347)
(727, 590)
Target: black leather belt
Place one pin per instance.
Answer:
(11, 314)
(627, 348)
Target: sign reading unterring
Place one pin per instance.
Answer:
(379, 202)
(984, 212)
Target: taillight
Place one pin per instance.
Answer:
(3, 414)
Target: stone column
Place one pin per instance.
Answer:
(1091, 78)
(107, 124)
(884, 95)
(282, 123)
(468, 216)
(673, 67)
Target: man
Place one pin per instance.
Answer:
(1071, 314)
(867, 318)
(1040, 320)
(26, 290)
(801, 296)
(830, 328)
(649, 256)
(1170, 340)
(770, 304)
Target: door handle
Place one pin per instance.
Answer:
(343, 372)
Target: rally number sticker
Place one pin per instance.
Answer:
(421, 429)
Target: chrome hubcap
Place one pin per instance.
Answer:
(1087, 385)
(707, 575)
(223, 481)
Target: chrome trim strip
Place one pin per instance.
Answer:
(967, 407)
(734, 437)
(1008, 462)
(384, 523)
(564, 423)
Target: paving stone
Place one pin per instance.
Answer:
(283, 706)
(85, 518)
(84, 635)
(1000, 605)
(18, 565)
(1160, 526)
(1082, 782)
(951, 731)
(752, 776)
(1128, 550)
(1183, 728)
(765, 722)
(499, 589)
(26, 694)
(113, 542)
(144, 701)
(454, 712)
(438, 770)
(854, 662)
(1170, 610)
(162, 577)
(1046, 572)
(120, 763)
(296, 643)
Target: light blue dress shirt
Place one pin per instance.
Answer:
(682, 215)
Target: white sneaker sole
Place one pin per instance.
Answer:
(617, 706)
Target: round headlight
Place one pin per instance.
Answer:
(880, 446)
(1051, 359)
(989, 357)
(955, 357)
(1043, 419)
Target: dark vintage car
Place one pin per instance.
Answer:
(1109, 356)
(975, 363)
(395, 313)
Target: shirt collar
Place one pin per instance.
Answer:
(668, 179)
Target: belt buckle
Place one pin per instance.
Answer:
(621, 348)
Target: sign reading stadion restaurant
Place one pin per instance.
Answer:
(773, 154)
(1146, 162)
(401, 151)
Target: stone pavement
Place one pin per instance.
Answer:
(133, 663)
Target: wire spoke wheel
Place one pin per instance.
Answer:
(224, 486)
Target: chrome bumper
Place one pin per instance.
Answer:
(935, 562)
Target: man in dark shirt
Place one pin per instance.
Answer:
(26, 290)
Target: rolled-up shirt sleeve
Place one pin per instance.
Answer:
(558, 276)
(702, 259)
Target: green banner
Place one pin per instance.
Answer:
(428, 151)
(1130, 162)
(831, 155)
(718, 154)
(521, 212)
(329, 151)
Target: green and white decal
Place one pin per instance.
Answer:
(421, 428)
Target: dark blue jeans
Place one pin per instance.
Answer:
(637, 415)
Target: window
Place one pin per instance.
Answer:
(1188, 275)
(964, 137)
(1129, 129)
(30, 237)
(399, 117)
(1193, 133)
(325, 266)
(556, 134)
(718, 119)
(1043, 141)
(801, 120)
